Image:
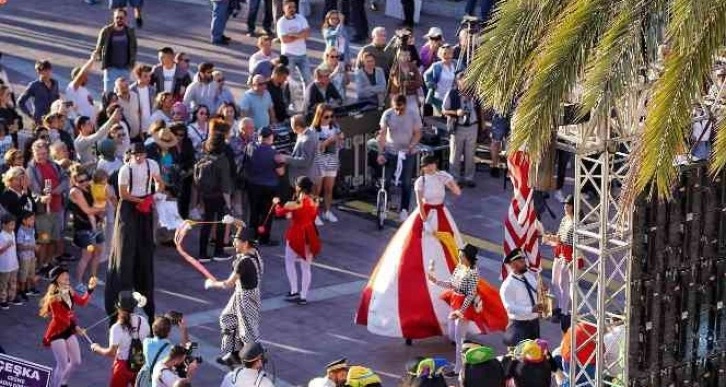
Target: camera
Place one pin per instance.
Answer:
(174, 316)
(189, 358)
(403, 35)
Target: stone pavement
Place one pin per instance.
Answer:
(300, 339)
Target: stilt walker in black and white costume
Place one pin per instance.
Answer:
(131, 265)
(240, 319)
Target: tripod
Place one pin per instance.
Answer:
(472, 26)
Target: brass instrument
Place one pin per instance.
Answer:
(545, 299)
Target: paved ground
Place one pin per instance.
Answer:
(301, 339)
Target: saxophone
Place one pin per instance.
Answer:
(544, 298)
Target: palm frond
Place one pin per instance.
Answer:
(718, 157)
(499, 65)
(668, 120)
(616, 60)
(559, 60)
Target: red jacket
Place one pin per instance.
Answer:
(302, 230)
(62, 316)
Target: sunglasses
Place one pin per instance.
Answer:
(203, 114)
(328, 116)
(333, 56)
(83, 181)
(220, 80)
(186, 60)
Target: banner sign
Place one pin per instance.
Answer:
(16, 372)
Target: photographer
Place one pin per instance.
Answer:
(159, 346)
(165, 373)
(406, 79)
(251, 372)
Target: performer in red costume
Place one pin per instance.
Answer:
(60, 335)
(399, 301)
(302, 241)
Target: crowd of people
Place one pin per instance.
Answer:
(166, 132)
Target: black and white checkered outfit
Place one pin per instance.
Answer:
(240, 319)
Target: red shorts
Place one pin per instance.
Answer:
(121, 375)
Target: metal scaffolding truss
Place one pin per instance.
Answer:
(603, 235)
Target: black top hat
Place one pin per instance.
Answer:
(56, 272)
(470, 251)
(340, 364)
(126, 301)
(514, 255)
(137, 148)
(251, 352)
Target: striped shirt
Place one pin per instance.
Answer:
(566, 230)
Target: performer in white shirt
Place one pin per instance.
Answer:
(519, 295)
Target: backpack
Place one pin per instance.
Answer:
(143, 379)
(206, 175)
(136, 351)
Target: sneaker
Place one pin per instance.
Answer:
(139, 23)
(17, 301)
(292, 297)
(220, 43)
(195, 214)
(205, 260)
(221, 257)
(559, 196)
(403, 215)
(33, 292)
(302, 301)
(24, 296)
(471, 183)
(330, 217)
(4, 306)
(318, 221)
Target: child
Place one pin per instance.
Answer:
(8, 263)
(99, 188)
(26, 256)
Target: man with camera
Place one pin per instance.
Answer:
(250, 373)
(159, 346)
(166, 373)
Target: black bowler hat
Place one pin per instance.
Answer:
(245, 234)
(470, 252)
(251, 352)
(340, 364)
(126, 301)
(137, 148)
(513, 256)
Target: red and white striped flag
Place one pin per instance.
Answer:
(521, 224)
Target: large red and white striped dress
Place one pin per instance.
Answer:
(398, 300)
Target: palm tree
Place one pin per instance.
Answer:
(537, 51)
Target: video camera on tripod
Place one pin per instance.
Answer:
(473, 26)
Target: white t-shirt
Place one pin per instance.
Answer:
(295, 25)
(163, 376)
(446, 80)
(120, 337)
(140, 173)
(145, 107)
(169, 78)
(433, 187)
(245, 377)
(9, 258)
(256, 58)
(109, 166)
(82, 100)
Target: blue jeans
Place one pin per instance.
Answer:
(220, 14)
(486, 8)
(254, 6)
(303, 66)
(110, 74)
(406, 176)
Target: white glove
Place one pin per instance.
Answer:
(208, 284)
(159, 196)
(228, 219)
